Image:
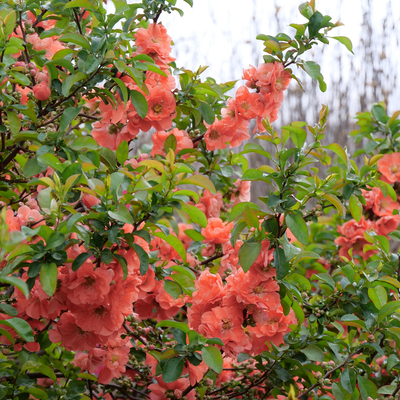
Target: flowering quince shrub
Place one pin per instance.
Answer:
(148, 273)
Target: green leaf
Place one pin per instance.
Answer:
(388, 389)
(336, 148)
(21, 327)
(172, 369)
(356, 208)
(32, 167)
(14, 122)
(19, 283)
(251, 218)
(122, 152)
(173, 324)
(248, 254)
(344, 40)
(327, 279)
(76, 39)
(314, 353)
(68, 116)
(185, 281)
(213, 358)
(122, 262)
(298, 227)
(70, 80)
(239, 208)
(281, 264)
(170, 143)
(80, 260)
(123, 88)
(378, 296)
(392, 281)
(9, 310)
(367, 388)
(143, 257)
(79, 3)
(388, 309)
(172, 288)
(352, 320)
(174, 242)
(199, 180)
(122, 215)
(48, 278)
(55, 240)
(207, 112)
(84, 142)
(45, 370)
(51, 161)
(140, 103)
(315, 24)
(348, 380)
(195, 214)
(336, 202)
(339, 392)
(312, 69)
(298, 135)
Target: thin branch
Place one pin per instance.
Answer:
(144, 341)
(205, 262)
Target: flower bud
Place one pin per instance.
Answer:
(41, 91)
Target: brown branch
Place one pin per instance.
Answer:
(215, 257)
(144, 341)
(158, 15)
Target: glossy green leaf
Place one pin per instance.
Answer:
(195, 214)
(298, 227)
(48, 278)
(207, 112)
(378, 296)
(173, 324)
(356, 208)
(345, 41)
(313, 353)
(140, 103)
(213, 358)
(281, 263)
(172, 369)
(248, 254)
(21, 327)
(367, 388)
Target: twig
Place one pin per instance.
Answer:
(205, 262)
(158, 14)
(144, 341)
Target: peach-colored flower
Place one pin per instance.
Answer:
(210, 204)
(273, 79)
(242, 192)
(389, 167)
(218, 135)
(250, 289)
(72, 336)
(248, 104)
(225, 323)
(216, 231)
(90, 285)
(384, 206)
(157, 390)
(353, 238)
(110, 135)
